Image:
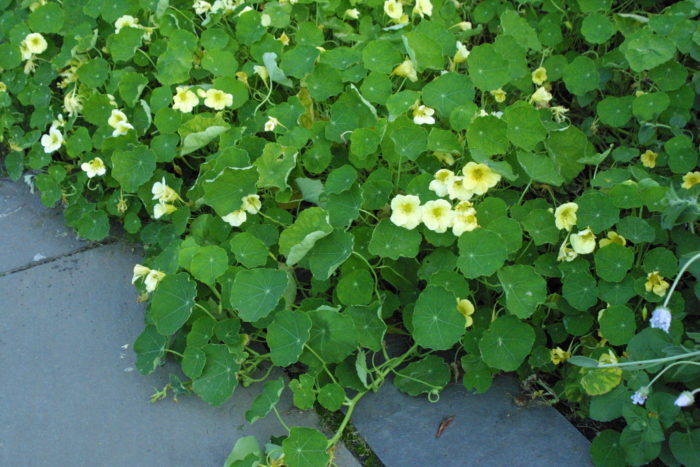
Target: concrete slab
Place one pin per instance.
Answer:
(70, 394)
(29, 232)
(488, 430)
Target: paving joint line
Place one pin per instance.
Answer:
(51, 259)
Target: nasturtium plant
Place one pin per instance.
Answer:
(490, 186)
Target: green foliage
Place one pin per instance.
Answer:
(260, 158)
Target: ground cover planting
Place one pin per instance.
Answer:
(504, 186)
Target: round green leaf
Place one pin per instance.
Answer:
(311, 225)
(685, 446)
(437, 324)
(481, 253)
(94, 73)
(133, 168)
(424, 376)
(286, 336)
(661, 259)
(636, 229)
(381, 56)
(193, 361)
(646, 50)
(618, 324)
(447, 92)
(524, 288)
(225, 191)
(369, 325)
(305, 447)
(93, 225)
(48, 18)
(150, 349)
(539, 224)
(488, 135)
(596, 211)
(218, 379)
(606, 450)
(506, 343)
(355, 288)
(581, 75)
(682, 155)
(209, 263)
(266, 400)
(331, 397)
(255, 292)
(649, 105)
(172, 303)
(597, 28)
(487, 68)
(333, 336)
(580, 290)
(613, 261)
(615, 111)
(249, 250)
(540, 168)
(525, 128)
(391, 241)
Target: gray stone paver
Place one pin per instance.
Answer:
(71, 395)
(30, 232)
(488, 430)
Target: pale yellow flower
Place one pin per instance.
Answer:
(464, 221)
(441, 181)
(52, 141)
(406, 211)
(478, 178)
(423, 115)
(242, 76)
(393, 9)
(152, 279)
(690, 180)
(466, 309)
(656, 283)
(284, 39)
(122, 128)
(539, 76)
(163, 193)
(271, 124)
(235, 218)
(462, 53)
(583, 242)
(457, 190)
(566, 253)
(201, 7)
(499, 95)
(437, 215)
(613, 237)
(218, 100)
(648, 158)
(163, 209)
(444, 157)
(34, 43)
(72, 104)
(139, 272)
(184, 100)
(3, 87)
(541, 96)
(559, 355)
(126, 21)
(565, 216)
(251, 203)
(464, 25)
(352, 13)
(262, 72)
(559, 113)
(94, 168)
(116, 117)
(265, 20)
(406, 70)
(423, 8)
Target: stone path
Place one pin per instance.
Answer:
(71, 395)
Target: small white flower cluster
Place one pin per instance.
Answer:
(152, 276)
(166, 196)
(251, 204)
(119, 122)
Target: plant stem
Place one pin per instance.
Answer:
(205, 310)
(322, 363)
(279, 418)
(346, 419)
(644, 362)
(678, 277)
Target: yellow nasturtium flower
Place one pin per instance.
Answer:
(251, 204)
(613, 237)
(648, 159)
(541, 96)
(217, 99)
(559, 355)
(94, 168)
(393, 9)
(462, 53)
(583, 242)
(690, 180)
(423, 8)
(499, 95)
(478, 178)
(566, 253)
(466, 309)
(235, 218)
(441, 181)
(464, 219)
(152, 276)
(539, 76)
(163, 209)
(184, 100)
(423, 115)
(163, 193)
(437, 215)
(457, 190)
(406, 211)
(565, 216)
(656, 283)
(34, 43)
(406, 70)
